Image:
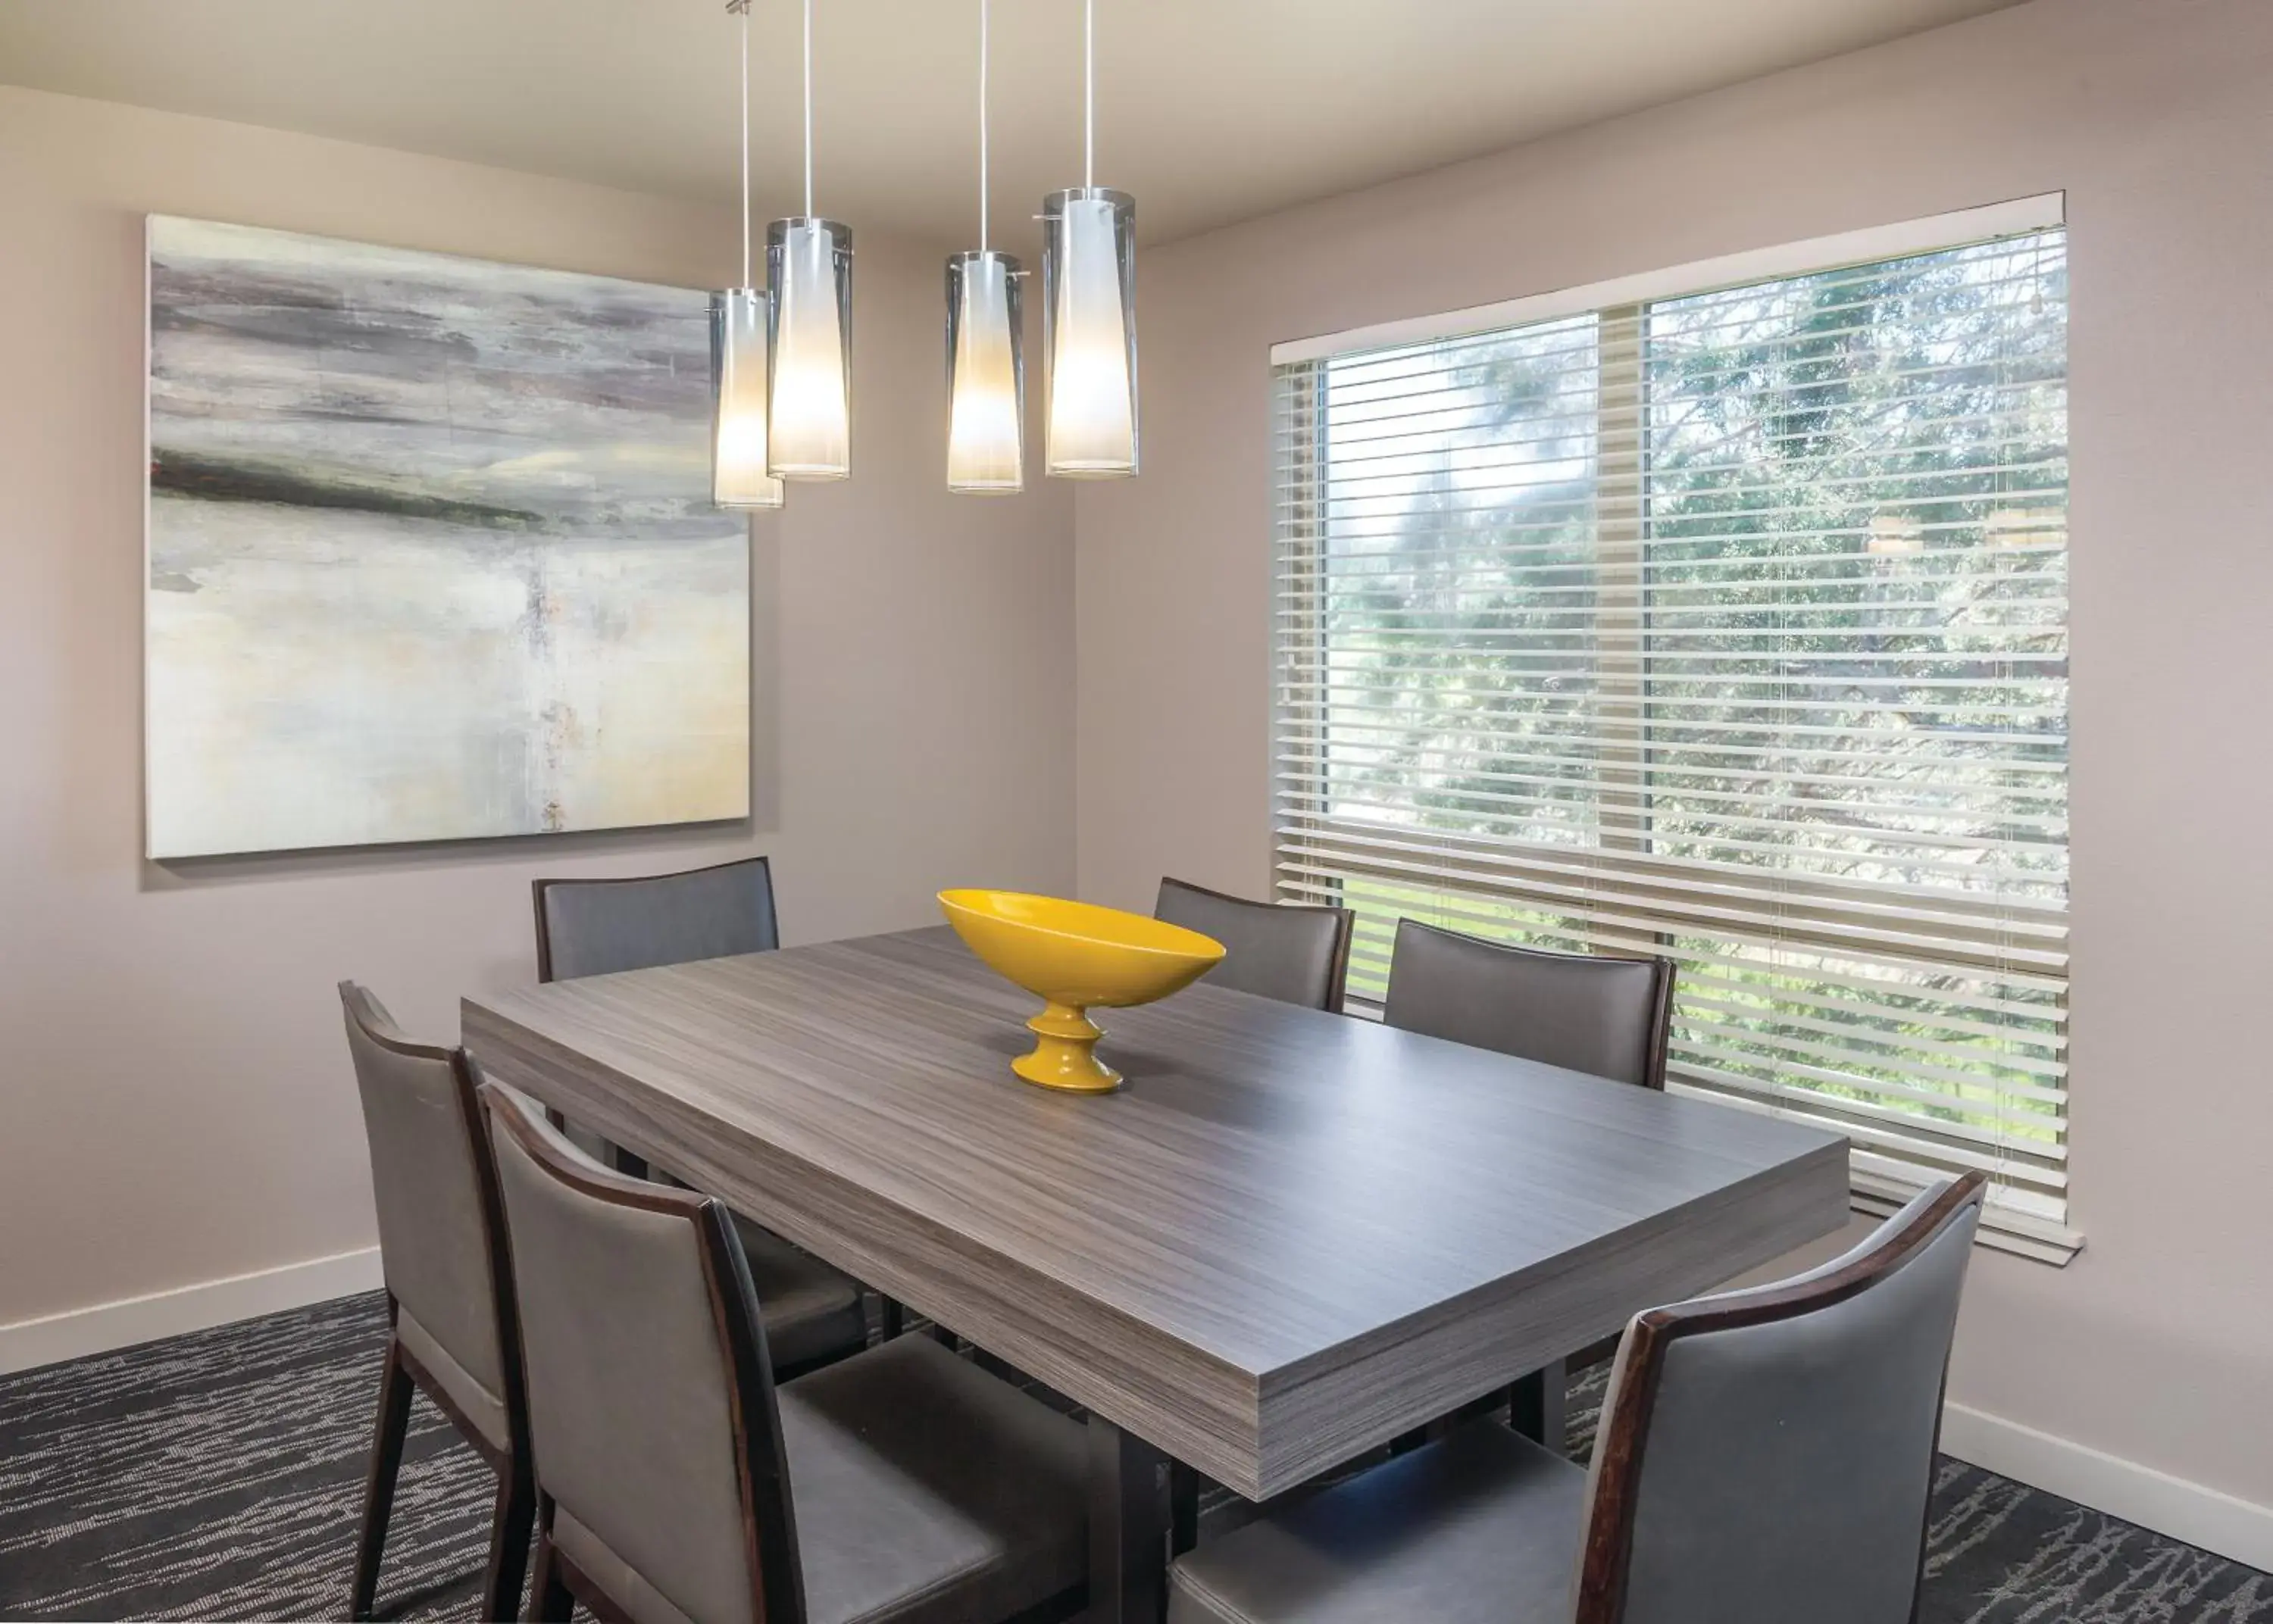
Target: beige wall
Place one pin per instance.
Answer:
(2155, 1346)
(174, 1102)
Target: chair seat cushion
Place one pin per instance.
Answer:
(811, 1311)
(1481, 1527)
(925, 1489)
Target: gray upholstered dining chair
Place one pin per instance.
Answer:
(677, 1482)
(1609, 1017)
(599, 927)
(452, 1332)
(1295, 952)
(1766, 1458)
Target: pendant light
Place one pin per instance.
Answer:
(986, 372)
(737, 355)
(809, 268)
(1088, 314)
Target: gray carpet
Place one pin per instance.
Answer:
(220, 1476)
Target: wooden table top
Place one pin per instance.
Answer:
(1291, 1235)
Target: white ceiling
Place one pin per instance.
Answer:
(1208, 110)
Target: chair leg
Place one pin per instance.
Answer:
(516, 1511)
(378, 1488)
(895, 1317)
(1488, 1408)
(549, 1600)
(1536, 1405)
(1002, 1370)
(1183, 1507)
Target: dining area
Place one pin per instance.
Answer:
(720, 903)
(769, 1289)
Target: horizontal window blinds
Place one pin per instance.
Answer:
(1731, 627)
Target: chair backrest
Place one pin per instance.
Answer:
(1766, 1456)
(650, 1396)
(1611, 1017)
(441, 1237)
(1295, 952)
(596, 927)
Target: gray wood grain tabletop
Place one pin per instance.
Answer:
(1291, 1236)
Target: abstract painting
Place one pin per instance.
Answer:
(432, 551)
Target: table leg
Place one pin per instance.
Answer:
(1536, 1404)
(1128, 1527)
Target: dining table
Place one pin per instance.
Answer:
(1291, 1237)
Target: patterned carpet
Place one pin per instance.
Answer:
(220, 1476)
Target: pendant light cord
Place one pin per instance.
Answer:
(982, 125)
(1089, 94)
(809, 110)
(746, 148)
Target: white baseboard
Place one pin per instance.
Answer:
(2233, 1528)
(81, 1331)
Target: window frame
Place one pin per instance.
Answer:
(1621, 649)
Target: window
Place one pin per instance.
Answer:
(1728, 624)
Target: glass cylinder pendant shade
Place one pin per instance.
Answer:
(738, 407)
(809, 431)
(986, 375)
(1089, 330)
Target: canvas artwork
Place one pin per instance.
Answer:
(432, 551)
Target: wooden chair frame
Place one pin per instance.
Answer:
(1623, 1439)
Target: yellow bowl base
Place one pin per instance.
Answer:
(1065, 1055)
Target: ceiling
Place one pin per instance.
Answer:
(1208, 110)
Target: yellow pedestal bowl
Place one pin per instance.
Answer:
(1075, 956)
